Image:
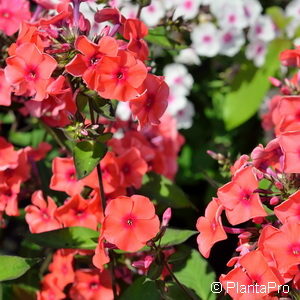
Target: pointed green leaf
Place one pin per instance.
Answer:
(68, 238)
(250, 87)
(196, 274)
(87, 155)
(174, 236)
(163, 191)
(141, 288)
(13, 267)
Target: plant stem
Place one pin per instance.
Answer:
(184, 289)
(99, 173)
(103, 201)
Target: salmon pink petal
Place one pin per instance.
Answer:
(108, 46)
(14, 71)
(30, 54)
(119, 207)
(145, 230)
(137, 74)
(47, 66)
(77, 66)
(85, 46)
(142, 207)
(116, 233)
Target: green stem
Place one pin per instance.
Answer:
(184, 289)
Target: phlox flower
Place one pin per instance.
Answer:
(77, 211)
(29, 71)
(153, 13)
(50, 288)
(62, 267)
(5, 90)
(252, 10)
(184, 116)
(111, 175)
(263, 29)
(9, 158)
(256, 271)
(40, 215)
(289, 112)
(64, 176)
(231, 41)
(287, 236)
(134, 31)
(29, 33)
(12, 13)
(178, 78)
(237, 196)
(84, 64)
(289, 209)
(289, 143)
(56, 109)
(292, 10)
(187, 9)
(239, 164)
(256, 51)
(269, 156)
(188, 56)
(101, 256)
(290, 57)
(149, 108)
(123, 111)
(210, 228)
(130, 10)
(130, 222)
(176, 102)
(205, 39)
(229, 13)
(133, 167)
(92, 284)
(121, 77)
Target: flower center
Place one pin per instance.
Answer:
(94, 285)
(5, 15)
(206, 39)
(126, 169)
(119, 75)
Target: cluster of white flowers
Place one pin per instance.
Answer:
(180, 83)
(224, 26)
(218, 27)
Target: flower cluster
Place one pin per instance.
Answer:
(263, 196)
(221, 27)
(68, 71)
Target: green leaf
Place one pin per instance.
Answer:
(250, 87)
(278, 16)
(13, 267)
(164, 192)
(81, 101)
(68, 238)
(87, 155)
(174, 236)
(104, 107)
(141, 288)
(174, 292)
(155, 270)
(196, 274)
(159, 36)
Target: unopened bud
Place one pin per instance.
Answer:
(279, 185)
(274, 200)
(274, 81)
(166, 217)
(258, 220)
